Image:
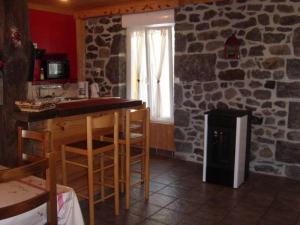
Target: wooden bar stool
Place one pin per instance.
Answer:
(136, 137)
(41, 139)
(40, 165)
(101, 158)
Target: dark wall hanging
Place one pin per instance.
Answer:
(232, 48)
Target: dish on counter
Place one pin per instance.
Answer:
(36, 105)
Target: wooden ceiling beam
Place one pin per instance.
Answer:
(48, 8)
(134, 7)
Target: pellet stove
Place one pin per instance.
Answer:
(227, 147)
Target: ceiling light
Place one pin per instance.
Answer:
(64, 0)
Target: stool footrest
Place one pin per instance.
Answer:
(76, 164)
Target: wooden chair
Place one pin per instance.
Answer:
(137, 134)
(92, 150)
(49, 196)
(41, 140)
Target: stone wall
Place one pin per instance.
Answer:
(105, 54)
(265, 79)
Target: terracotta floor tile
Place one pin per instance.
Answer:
(167, 216)
(178, 196)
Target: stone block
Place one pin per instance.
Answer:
(118, 44)
(88, 39)
(100, 42)
(219, 23)
(271, 38)
(181, 118)
(189, 104)
(292, 171)
(278, 75)
(287, 152)
(98, 29)
(255, 84)
(214, 45)
(230, 93)
(209, 87)
(195, 47)
(180, 42)
(264, 19)
(178, 94)
(115, 28)
(280, 104)
(280, 50)
(222, 65)
(254, 7)
(293, 135)
(285, 8)
(235, 15)
(207, 35)
(254, 35)
(266, 169)
(179, 134)
(116, 70)
(230, 75)
(266, 153)
(194, 18)
(209, 14)
(246, 24)
(183, 147)
(265, 140)
(257, 50)
(288, 90)
(262, 94)
(196, 67)
(184, 26)
(191, 37)
(294, 115)
(91, 55)
(269, 8)
(245, 92)
(289, 20)
(217, 96)
(270, 84)
(248, 64)
(293, 68)
(296, 41)
(202, 26)
(92, 48)
(273, 63)
(180, 17)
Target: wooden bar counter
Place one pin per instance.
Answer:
(67, 122)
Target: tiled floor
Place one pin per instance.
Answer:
(178, 196)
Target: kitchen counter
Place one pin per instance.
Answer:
(76, 107)
(67, 122)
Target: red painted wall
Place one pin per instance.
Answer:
(56, 33)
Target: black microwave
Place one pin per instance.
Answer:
(56, 69)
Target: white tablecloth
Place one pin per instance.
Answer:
(68, 209)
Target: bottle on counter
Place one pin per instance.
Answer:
(42, 74)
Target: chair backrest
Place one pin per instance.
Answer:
(49, 196)
(40, 137)
(101, 125)
(141, 117)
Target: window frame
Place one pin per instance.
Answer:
(146, 28)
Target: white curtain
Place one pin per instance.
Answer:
(151, 70)
(137, 53)
(157, 41)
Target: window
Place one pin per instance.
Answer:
(150, 69)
